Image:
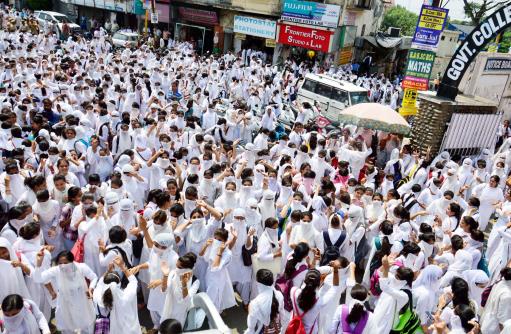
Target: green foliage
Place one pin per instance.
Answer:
(39, 4)
(505, 42)
(400, 17)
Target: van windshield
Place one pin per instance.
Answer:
(358, 97)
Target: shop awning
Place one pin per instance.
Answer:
(387, 42)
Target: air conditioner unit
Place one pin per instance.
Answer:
(394, 32)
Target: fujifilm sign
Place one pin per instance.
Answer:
(484, 33)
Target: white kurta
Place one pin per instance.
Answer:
(74, 310)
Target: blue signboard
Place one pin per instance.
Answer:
(430, 25)
(314, 13)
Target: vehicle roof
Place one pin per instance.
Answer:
(328, 80)
(50, 12)
(126, 33)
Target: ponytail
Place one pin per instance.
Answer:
(358, 293)
(300, 252)
(307, 297)
(274, 308)
(108, 299)
(356, 313)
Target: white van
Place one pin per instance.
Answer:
(332, 95)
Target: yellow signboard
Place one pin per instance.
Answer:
(408, 107)
(239, 36)
(345, 55)
(270, 43)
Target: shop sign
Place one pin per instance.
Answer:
(198, 15)
(239, 36)
(305, 37)
(498, 64)
(154, 17)
(270, 43)
(314, 13)
(430, 25)
(418, 69)
(254, 26)
(409, 104)
(138, 7)
(116, 6)
(345, 55)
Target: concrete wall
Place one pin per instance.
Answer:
(491, 84)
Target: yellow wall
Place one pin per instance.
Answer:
(265, 7)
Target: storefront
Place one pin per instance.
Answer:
(199, 27)
(308, 30)
(254, 33)
(297, 40)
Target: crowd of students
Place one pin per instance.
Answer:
(125, 185)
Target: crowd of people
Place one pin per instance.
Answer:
(138, 178)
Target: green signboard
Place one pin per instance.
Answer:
(138, 7)
(418, 69)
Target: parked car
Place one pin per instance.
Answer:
(125, 39)
(331, 94)
(55, 18)
(204, 318)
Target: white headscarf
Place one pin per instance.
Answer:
(12, 278)
(23, 322)
(260, 306)
(474, 277)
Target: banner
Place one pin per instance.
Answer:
(318, 14)
(430, 25)
(308, 38)
(138, 7)
(254, 26)
(409, 104)
(418, 69)
(480, 36)
(154, 17)
(345, 55)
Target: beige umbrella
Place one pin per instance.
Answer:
(375, 116)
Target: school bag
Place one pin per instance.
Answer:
(78, 249)
(409, 321)
(359, 327)
(246, 254)
(374, 283)
(483, 264)
(361, 247)
(127, 262)
(296, 326)
(284, 285)
(102, 324)
(331, 252)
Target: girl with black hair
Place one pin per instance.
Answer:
(116, 304)
(33, 185)
(74, 310)
(352, 317)
(450, 303)
(308, 302)
(266, 308)
(22, 316)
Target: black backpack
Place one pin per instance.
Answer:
(331, 252)
(127, 262)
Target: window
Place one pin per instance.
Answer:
(340, 96)
(62, 19)
(358, 97)
(309, 85)
(323, 90)
(366, 4)
(121, 37)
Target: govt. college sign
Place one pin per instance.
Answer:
(484, 33)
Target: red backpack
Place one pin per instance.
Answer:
(296, 326)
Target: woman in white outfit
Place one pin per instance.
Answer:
(74, 308)
(179, 288)
(22, 316)
(119, 305)
(218, 255)
(12, 270)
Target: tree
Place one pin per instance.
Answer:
(39, 4)
(400, 17)
(477, 10)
